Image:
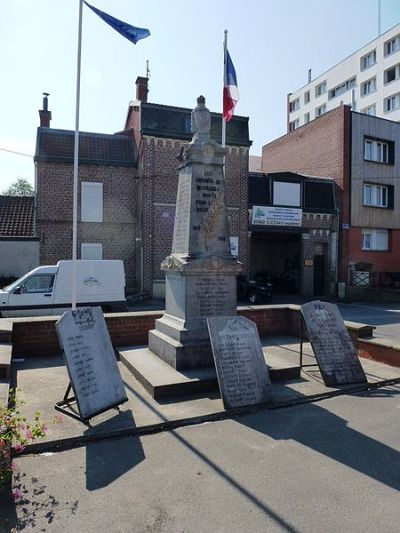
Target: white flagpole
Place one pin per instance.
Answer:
(76, 162)
(223, 140)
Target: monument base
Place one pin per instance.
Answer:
(181, 343)
(162, 381)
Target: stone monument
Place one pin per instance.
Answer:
(200, 273)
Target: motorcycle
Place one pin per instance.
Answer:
(253, 291)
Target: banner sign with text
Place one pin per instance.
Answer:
(276, 216)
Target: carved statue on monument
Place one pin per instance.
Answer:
(201, 120)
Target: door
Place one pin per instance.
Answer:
(33, 298)
(319, 275)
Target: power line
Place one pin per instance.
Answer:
(14, 152)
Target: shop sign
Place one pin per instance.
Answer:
(276, 216)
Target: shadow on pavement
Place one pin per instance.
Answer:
(330, 435)
(106, 461)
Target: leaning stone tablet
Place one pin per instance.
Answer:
(91, 361)
(241, 370)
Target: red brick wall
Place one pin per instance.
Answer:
(116, 233)
(320, 148)
(159, 170)
(381, 261)
(38, 337)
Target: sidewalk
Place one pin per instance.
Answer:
(43, 381)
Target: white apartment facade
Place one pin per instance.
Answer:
(368, 80)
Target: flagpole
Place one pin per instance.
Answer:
(223, 137)
(76, 162)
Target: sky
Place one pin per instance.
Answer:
(272, 43)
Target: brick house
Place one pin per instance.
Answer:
(127, 188)
(107, 195)
(160, 131)
(19, 245)
(362, 154)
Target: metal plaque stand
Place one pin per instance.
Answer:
(68, 405)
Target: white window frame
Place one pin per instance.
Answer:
(307, 97)
(320, 110)
(294, 105)
(375, 240)
(368, 60)
(320, 89)
(369, 110)
(294, 124)
(306, 118)
(396, 69)
(91, 201)
(392, 45)
(376, 151)
(91, 250)
(342, 88)
(286, 193)
(368, 87)
(375, 195)
(391, 103)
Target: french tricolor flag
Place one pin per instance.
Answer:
(231, 91)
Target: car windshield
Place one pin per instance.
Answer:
(15, 284)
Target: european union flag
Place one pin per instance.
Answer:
(132, 33)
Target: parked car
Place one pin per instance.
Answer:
(253, 291)
(47, 290)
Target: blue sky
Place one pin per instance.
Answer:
(272, 44)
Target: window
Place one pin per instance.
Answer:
(92, 202)
(391, 103)
(306, 118)
(368, 60)
(286, 193)
(392, 74)
(375, 195)
(294, 105)
(379, 151)
(307, 97)
(392, 45)
(342, 88)
(375, 239)
(320, 89)
(91, 250)
(368, 87)
(39, 283)
(370, 110)
(320, 110)
(294, 124)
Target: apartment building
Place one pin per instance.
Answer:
(368, 81)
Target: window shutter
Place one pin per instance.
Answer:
(390, 196)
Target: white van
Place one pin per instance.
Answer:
(47, 290)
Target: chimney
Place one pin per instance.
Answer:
(142, 88)
(45, 114)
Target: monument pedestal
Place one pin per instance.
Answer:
(195, 289)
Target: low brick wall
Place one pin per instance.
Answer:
(32, 337)
(381, 350)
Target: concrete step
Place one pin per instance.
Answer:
(5, 360)
(162, 381)
(4, 391)
(5, 330)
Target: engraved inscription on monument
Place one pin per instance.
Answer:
(241, 370)
(333, 348)
(90, 360)
(211, 295)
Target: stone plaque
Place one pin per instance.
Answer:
(241, 370)
(333, 348)
(90, 360)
